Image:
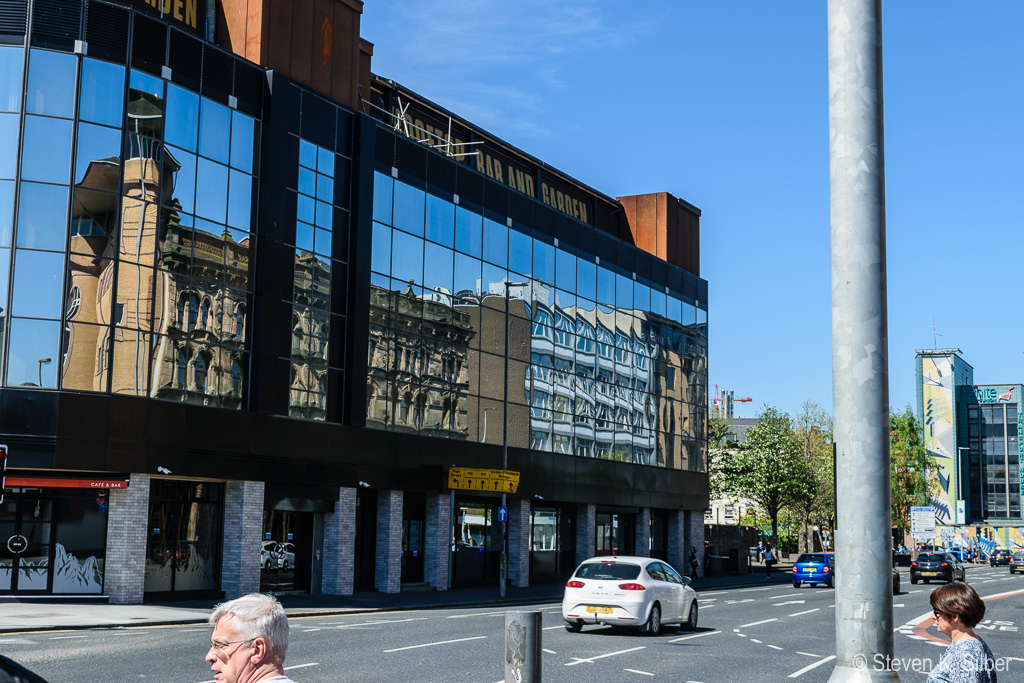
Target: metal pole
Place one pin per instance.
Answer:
(503, 558)
(860, 367)
(451, 548)
(959, 491)
(523, 647)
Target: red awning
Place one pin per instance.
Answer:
(47, 482)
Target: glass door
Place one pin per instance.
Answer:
(26, 533)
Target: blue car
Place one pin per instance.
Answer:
(814, 568)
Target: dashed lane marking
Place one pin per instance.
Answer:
(590, 660)
(67, 637)
(774, 647)
(806, 611)
(637, 671)
(443, 642)
(301, 666)
(807, 668)
(695, 635)
(808, 654)
(310, 630)
(758, 623)
(549, 628)
(755, 640)
(550, 652)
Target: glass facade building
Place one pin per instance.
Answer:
(250, 315)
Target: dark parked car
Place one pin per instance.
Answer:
(1017, 562)
(930, 567)
(895, 581)
(999, 557)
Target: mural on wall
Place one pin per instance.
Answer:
(937, 388)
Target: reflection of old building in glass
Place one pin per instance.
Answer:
(252, 309)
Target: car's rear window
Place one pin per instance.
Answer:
(1018, 556)
(608, 571)
(931, 557)
(812, 558)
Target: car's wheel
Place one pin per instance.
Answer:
(831, 582)
(913, 580)
(691, 623)
(653, 625)
(796, 584)
(1011, 570)
(896, 587)
(286, 564)
(574, 626)
(266, 565)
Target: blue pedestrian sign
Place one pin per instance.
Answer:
(502, 514)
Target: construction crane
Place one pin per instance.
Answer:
(721, 405)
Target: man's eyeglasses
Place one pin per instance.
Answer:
(219, 647)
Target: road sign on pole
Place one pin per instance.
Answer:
(922, 522)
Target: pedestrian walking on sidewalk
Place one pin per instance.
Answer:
(769, 560)
(760, 551)
(693, 563)
(249, 641)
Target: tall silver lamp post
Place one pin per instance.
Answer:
(860, 365)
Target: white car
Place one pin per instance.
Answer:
(285, 554)
(267, 556)
(628, 591)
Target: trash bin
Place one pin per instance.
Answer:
(734, 561)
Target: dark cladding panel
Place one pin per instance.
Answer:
(496, 199)
(471, 186)
(319, 122)
(625, 259)
(607, 249)
(546, 222)
(13, 18)
(643, 264)
(411, 157)
(522, 209)
(441, 173)
(106, 31)
(702, 291)
(587, 242)
(186, 60)
(659, 272)
(384, 147)
(218, 73)
(249, 83)
(149, 44)
(56, 23)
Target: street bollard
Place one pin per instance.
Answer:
(522, 647)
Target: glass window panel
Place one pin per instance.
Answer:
(440, 221)
(468, 234)
(214, 131)
(5, 262)
(240, 201)
(80, 366)
(303, 236)
(586, 279)
(380, 259)
(544, 262)
(46, 150)
(383, 187)
(495, 242)
(307, 181)
(38, 278)
(565, 270)
(182, 114)
(658, 300)
(407, 258)
(305, 208)
(307, 154)
(94, 144)
(605, 286)
(520, 252)
(410, 204)
(51, 83)
(8, 145)
(438, 267)
(623, 292)
(565, 300)
(11, 63)
(641, 296)
(42, 216)
(131, 364)
(184, 191)
(324, 215)
(34, 353)
(323, 243)
(467, 274)
(243, 142)
(493, 279)
(675, 309)
(6, 213)
(324, 188)
(102, 99)
(211, 190)
(689, 313)
(325, 161)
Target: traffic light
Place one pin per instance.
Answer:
(3, 470)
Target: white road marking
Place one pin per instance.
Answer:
(381, 621)
(807, 654)
(806, 611)
(695, 635)
(775, 647)
(755, 640)
(590, 660)
(788, 602)
(758, 623)
(1001, 595)
(309, 630)
(898, 604)
(750, 590)
(550, 652)
(548, 628)
(807, 668)
(301, 666)
(443, 642)
(714, 592)
(479, 614)
(66, 637)
(919, 590)
(736, 602)
(637, 671)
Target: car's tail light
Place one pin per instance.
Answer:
(943, 564)
(825, 569)
(913, 564)
(794, 569)
(574, 584)
(632, 587)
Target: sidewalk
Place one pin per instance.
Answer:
(38, 615)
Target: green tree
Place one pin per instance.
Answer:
(813, 430)
(909, 464)
(720, 433)
(770, 468)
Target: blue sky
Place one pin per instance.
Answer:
(724, 104)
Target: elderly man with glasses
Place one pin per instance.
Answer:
(249, 641)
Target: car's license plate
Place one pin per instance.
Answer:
(808, 569)
(929, 573)
(600, 610)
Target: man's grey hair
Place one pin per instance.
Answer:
(257, 615)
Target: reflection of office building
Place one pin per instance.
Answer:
(972, 432)
(246, 329)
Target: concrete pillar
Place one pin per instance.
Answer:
(860, 365)
(340, 545)
(127, 530)
(586, 531)
(643, 533)
(243, 527)
(519, 542)
(438, 541)
(677, 545)
(388, 569)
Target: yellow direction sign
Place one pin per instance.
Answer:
(497, 481)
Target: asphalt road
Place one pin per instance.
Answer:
(769, 633)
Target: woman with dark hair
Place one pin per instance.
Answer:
(967, 659)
